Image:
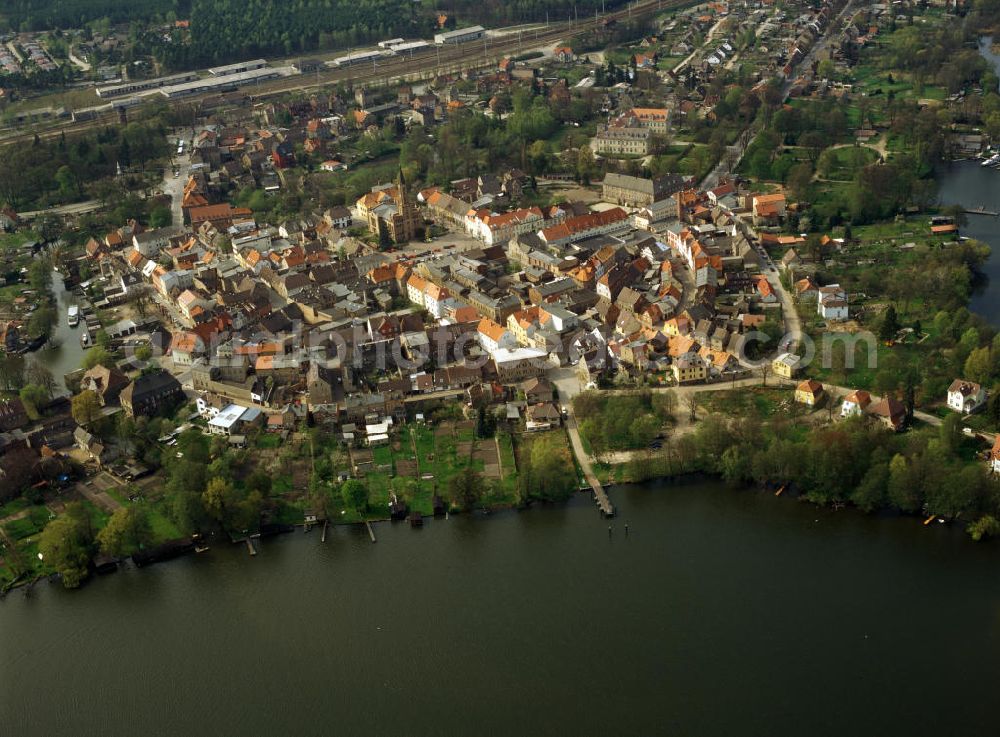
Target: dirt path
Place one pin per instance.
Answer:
(95, 491)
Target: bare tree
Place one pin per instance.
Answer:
(765, 369)
(691, 402)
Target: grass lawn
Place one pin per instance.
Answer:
(163, 527)
(843, 163)
(757, 402)
(267, 441)
(14, 506)
(30, 525)
(281, 484)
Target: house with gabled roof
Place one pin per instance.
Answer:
(856, 403)
(966, 396)
(809, 392)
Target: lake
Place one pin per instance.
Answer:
(721, 613)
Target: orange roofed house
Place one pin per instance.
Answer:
(809, 392)
(768, 209)
(221, 216)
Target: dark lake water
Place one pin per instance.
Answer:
(722, 613)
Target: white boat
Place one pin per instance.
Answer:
(85, 339)
(992, 161)
(74, 316)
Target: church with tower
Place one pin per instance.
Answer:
(391, 212)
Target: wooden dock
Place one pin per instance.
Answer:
(601, 498)
(603, 501)
(371, 531)
(251, 547)
(326, 523)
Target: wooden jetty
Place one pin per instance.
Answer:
(603, 501)
(250, 546)
(326, 523)
(371, 531)
(981, 211)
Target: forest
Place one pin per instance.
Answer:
(222, 30)
(39, 15)
(933, 470)
(59, 171)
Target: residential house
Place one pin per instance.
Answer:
(537, 390)
(768, 209)
(235, 419)
(831, 303)
(966, 396)
(493, 337)
(106, 383)
(12, 414)
(541, 416)
(855, 403)
(787, 365)
(94, 448)
(890, 412)
(995, 456)
(519, 364)
(809, 393)
(689, 367)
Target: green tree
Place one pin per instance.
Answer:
(979, 366)
(160, 217)
(127, 531)
(85, 407)
(902, 487)
(42, 321)
(642, 430)
(871, 493)
(889, 325)
(548, 474)
(35, 397)
(220, 499)
(985, 526)
(66, 542)
(355, 495)
(97, 356)
(40, 274)
(464, 488)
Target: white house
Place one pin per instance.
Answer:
(855, 403)
(494, 337)
(232, 419)
(966, 396)
(832, 302)
(492, 228)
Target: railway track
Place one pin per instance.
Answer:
(421, 65)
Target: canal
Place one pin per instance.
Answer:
(721, 613)
(67, 353)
